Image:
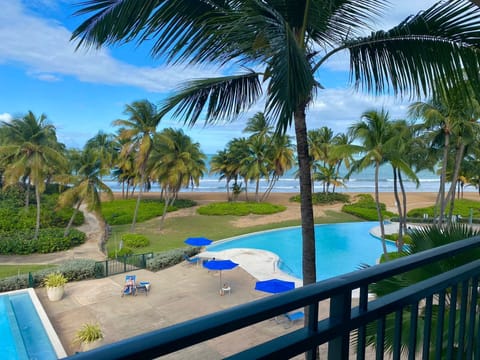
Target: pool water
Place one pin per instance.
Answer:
(340, 248)
(23, 335)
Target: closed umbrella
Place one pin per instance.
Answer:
(220, 265)
(274, 286)
(198, 241)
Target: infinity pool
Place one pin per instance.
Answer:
(340, 248)
(25, 330)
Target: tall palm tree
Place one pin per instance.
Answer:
(86, 186)
(219, 164)
(105, 146)
(31, 152)
(290, 41)
(175, 161)
(138, 130)
(374, 131)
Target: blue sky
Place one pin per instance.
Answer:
(83, 91)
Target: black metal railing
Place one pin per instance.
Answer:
(441, 313)
(121, 264)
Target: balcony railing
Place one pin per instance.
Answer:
(444, 334)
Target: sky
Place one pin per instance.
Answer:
(83, 91)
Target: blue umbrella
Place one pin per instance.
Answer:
(274, 286)
(198, 241)
(220, 265)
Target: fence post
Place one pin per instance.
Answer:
(106, 268)
(340, 312)
(125, 263)
(144, 262)
(30, 280)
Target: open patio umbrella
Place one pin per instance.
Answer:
(274, 286)
(198, 241)
(220, 265)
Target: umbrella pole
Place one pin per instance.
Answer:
(220, 282)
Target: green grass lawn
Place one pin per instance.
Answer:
(175, 230)
(12, 270)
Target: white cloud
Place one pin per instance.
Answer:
(44, 47)
(6, 117)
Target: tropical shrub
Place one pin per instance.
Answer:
(135, 240)
(88, 333)
(73, 270)
(124, 251)
(462, 207)
(119, 212)
(321, 198)
(240, 208)
(169, 258)
(366, 208)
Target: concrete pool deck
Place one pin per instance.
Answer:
(177, 294)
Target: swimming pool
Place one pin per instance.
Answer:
(26, 332)
(340, 248)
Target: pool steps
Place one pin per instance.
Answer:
(11, 321)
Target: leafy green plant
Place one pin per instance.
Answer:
(55, 279)
(135, 240)
(169, 258)
(325, 198)
(118, 212)
(240, 208)
(366, 208)
(88, 333)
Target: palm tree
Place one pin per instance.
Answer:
(374, 131)
(175, 162)
(290, 41)
(105, 146)
(138, 130)
(31, 152)
(86, 186)
(219, 164)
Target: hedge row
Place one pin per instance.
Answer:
(49, 240)
(169, 258)
(240, 208)
(73, 270)
(366, 208)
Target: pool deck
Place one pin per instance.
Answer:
(177, 294)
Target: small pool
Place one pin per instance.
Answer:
(26, 332)
(340, 248)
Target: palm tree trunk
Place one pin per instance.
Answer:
(379, 211)
(27, 195)
(441, 192)
(401, 220)
(37, 224)
(257, 187)
(451, 193)
(404, 200)
(70, 222)
(137, 205)
(306, 207)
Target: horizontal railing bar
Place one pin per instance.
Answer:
(175, 337)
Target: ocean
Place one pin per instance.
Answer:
(358, 183)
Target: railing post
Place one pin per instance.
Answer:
(106, 268)
(340, 312)
(125, 263)
(30, 280)
(311, 312)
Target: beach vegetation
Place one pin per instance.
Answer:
(367, 208)
(23, 242)
(324, 198)
(165, 259)
(86, 186)
(135, 240)
(424, 238)
(137, 133)
(176, 162)
(463, 207)
(119, 211)
(240, 208)
(31, 151)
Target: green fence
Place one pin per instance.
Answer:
(121, 264)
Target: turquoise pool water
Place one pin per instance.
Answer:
(340, 248)
(22, 333)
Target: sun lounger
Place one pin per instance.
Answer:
(130, 285)
(293, 317)
(143, 286)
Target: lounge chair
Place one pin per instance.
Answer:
(193, 261)
(143, 286)
(292, 317)
(130, 287)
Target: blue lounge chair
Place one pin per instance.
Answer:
(130, 287)
(292, 317)
(192, 261)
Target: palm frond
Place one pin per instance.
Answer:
(222, 98)
(438, 44)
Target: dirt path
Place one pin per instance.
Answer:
(92, 227)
